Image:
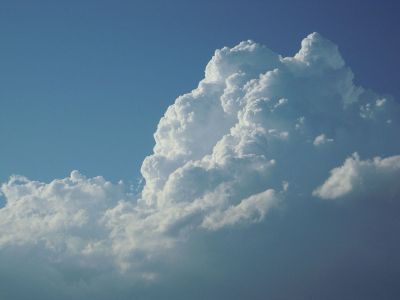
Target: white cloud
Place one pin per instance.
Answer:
(64, 216)
(254, 207)
(379, 178)
(321, 139)
(221, 155)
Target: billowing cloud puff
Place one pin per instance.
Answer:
(253, 121)
(378, 178)
(259, 132)
(256, 205)
(64, 216)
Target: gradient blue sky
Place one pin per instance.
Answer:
(264, 183)
(84, 83)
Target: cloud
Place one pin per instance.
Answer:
(63, 216)
(256, 205)
(377, 178)
(244, 146)
(321, 139)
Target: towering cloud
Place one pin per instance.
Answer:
(258, 133)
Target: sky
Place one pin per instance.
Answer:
(199, 150)
(84, 83)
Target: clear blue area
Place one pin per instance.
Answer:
(84, 83)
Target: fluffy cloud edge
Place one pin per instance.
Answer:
(253, 208)
(377, 177)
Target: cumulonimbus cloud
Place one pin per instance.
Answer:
(258, 130)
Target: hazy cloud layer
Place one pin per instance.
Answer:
(259, 135)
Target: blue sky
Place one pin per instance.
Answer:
(270, 167)
(84, 83)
